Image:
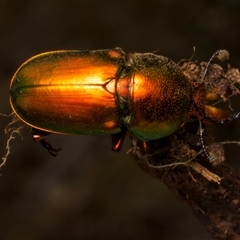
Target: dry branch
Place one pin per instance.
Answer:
(210, 186)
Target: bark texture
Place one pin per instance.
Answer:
(207, 183)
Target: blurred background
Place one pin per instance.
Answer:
(87, 191)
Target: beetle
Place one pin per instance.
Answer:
(99, 92)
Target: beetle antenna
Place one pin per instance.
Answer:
(221, 55)
(202, 142)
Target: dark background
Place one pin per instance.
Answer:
(89, 192)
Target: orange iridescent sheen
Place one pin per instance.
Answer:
(160, 96)
(98, 92)
(68, 92)
(108, 92)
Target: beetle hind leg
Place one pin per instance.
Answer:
(53, 151)
(39, 135)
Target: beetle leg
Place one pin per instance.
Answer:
(118, 138)
(159, 147)
(39, 135)
(202, 141)
(48, 146)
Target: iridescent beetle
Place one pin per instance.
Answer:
(107, 92)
